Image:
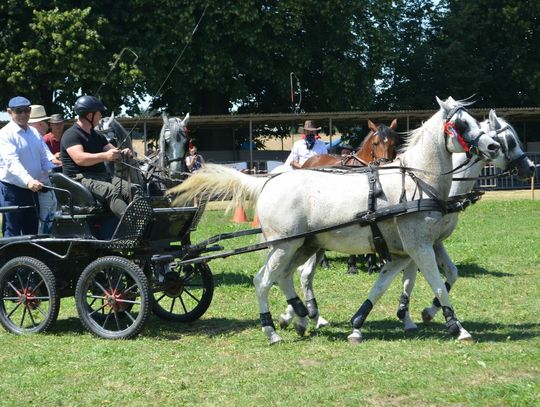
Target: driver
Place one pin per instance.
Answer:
(83, 153)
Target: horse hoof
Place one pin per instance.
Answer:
(352, 270)
(300, 329)
(355, 338)
(321, 322)
(411, 329)
(426, 316)
(373, 269)
(465, 337)
(275, 339)
(283, 321)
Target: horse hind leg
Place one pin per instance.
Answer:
(403, 314)
(307, 275)
(451, 272)
(275, 270)
(295, 306)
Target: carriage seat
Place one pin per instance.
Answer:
(82, 200)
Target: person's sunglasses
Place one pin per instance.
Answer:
(20, 110)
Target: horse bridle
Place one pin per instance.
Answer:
(450, 130)
(512, 164)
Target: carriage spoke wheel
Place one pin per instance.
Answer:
(112, 297)
(185, 294)
(29, 301)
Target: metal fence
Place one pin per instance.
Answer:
(511, 181)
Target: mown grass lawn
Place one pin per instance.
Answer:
(224, 359)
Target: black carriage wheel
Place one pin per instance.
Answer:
(112, 298)
(186, 293)
(29, 301)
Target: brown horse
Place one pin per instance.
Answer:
(378, 147)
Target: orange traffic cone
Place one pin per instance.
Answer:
(255, 222)
(239, 215)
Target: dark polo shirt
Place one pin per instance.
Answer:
(92, 143)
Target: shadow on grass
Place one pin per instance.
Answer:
(473, 270)
(393, 330)
(384, 330)
(158, 328)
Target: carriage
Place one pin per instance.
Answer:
(118, 270)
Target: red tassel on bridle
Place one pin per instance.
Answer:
(451, 131)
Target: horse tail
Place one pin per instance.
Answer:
(217, 182)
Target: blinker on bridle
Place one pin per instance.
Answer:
(450, 130)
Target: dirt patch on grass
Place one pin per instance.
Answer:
(511, 195)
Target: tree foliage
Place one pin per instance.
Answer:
(347, 54)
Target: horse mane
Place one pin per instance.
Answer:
(433, 126)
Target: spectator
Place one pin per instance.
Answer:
(84, 152)
(308, 147)
(39, 121)
(47, 199)
(52, 139)
(194, 161)
(24, 162)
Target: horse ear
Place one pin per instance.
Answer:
(165, 118)
(112, 116)
(443, 104)
(371, 125)
(185, 121)
(393, 125)
(493, 120)
(109, 121)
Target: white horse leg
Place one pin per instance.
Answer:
(424, 256)
(409, 278)
(275, 269)
(387, 274)
(307, 273)
(450, 270)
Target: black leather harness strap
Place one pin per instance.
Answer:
(375, 190)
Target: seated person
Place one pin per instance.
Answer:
(84, 151)
(194, 160)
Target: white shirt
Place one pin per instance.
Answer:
(23, 155)
(300, 152)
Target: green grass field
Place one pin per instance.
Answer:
(224, 359)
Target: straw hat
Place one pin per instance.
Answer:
(38, 114)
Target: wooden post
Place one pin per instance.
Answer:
(330, 132)
(250, 145)
(532, 187)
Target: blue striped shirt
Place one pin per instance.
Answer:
(23, 156)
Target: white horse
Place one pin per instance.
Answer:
(512, 157)
(173, 144)
(304, 201)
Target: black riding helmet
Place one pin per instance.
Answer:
(88, 104)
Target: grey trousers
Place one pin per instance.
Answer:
(113, 191)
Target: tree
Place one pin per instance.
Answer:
(52, 55)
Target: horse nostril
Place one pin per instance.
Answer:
(494, 147)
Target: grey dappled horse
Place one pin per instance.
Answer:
(173, 145)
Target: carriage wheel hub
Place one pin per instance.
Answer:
(27, 298)
(114, 300)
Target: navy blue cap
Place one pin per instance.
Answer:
(18, 101)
